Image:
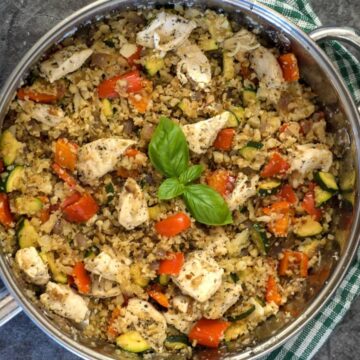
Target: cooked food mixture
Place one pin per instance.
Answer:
(167, 181)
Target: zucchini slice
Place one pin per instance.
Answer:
(176, 342)
(228, 67)
(269, 187)
(347, 181)
(249, 97)
(258, 236)
(106, 107)
(132, 341)
(326, 180)
(243, 315)
(14, 180)
(349, 198)
(26, 234)
(307, 227)
(27, 205)
(153, 65)
(56, 274)
(137, 276)
(9, 147)
(110, 192)
(208, 44)
(251, 149)
(321, 196)
(236, 116)
(164, 279)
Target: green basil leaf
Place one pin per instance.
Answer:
(191, 174)
(168, 149)
(206, 205)
(170, 188)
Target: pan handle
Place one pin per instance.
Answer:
(8, 307)
(344, 34)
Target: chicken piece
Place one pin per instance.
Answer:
(65, 302)
(166, 32)
(241, 42)
(227, 295)
(49, 115)
(201, 135)
(99, 157)
(178, 321)
(30, 262)
(64, 62)
(194, 64)
(242, 191)
(200, 276)
(266, 67)
(103, 288)
(149, 322)
(108, 267)
(133, 210)
(309, 157)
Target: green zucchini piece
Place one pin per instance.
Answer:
(234, 277)
(56, 274)
(347, 181)
(133, 342)
(153, 65)
(236, 117)
(269, 187)
(243, 315)
(258, 236)
(164, 279)
(255, 144)
(248, 153)
(176, 342)
(228, 67)
(9, 147)
(326, 180)
(249, 97)
(349, 198)
(27, 205)
(208, 44)
(110, 191)
(13, 181)
(308, 227)
(26, 234)
(321, 196)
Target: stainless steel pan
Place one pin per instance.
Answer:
(316, 69)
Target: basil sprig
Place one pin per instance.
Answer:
(169, 153)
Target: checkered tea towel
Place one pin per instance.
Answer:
(305, 344)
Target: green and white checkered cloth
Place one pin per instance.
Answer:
(304, 345)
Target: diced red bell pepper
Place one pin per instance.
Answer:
(66, 154)
(299, 257)
(111, 330)
(132, 83)
(81, 278)
(208, 332)
(173, 225)
(82, 210)
(308, 203)
(289, 67)
(280, 225)
(276, 166)
(224, 139)
(172, 264)
(159, 297)
(288, 194)
(41, 96)
(63, 175)
(136, 56)
(222, 181)
(6, 218)
(272, 291)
